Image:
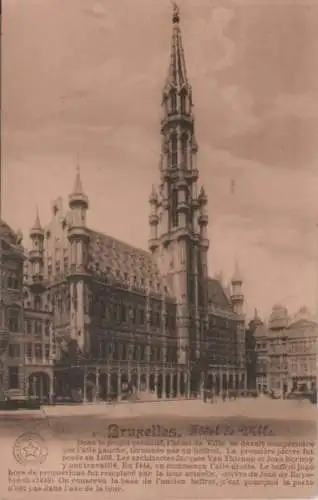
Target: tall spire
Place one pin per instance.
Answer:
(37, 223)
(237, 276)
(78, 196)
(177, 74)
(36, 228)
(78, 186)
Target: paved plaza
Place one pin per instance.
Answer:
(243, 408)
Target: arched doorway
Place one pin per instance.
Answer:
(39, 386)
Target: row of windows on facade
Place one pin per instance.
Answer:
(37, 303)
(57, 269)
(121, 351)
(36, 326)
(301, 367)
(135, 315)
(304, 366)
(295, 346)
(37, 351)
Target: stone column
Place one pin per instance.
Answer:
(85, 385)
(171, 385)
(109, 373)
(156, 382)
(51, 389)
(97, 384)
(187, 384)
(26, 385)
(118, 385)
(178, 384)
(34, 385)
(202, 386)
(164, 389)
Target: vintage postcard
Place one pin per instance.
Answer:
(158, 249)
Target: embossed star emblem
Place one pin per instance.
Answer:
(31, 449)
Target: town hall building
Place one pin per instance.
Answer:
(99, 314)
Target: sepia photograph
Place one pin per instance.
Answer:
(158, 249)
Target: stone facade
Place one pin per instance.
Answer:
(286, 350)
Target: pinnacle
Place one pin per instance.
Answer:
(153, 196)
(237, 277)
(37, 224)
(78, 186)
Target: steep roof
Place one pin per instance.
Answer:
(124, 264)
(6, 231)
(217, 295)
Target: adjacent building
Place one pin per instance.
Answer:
(24, 343)
(286, 352)
(100, 313)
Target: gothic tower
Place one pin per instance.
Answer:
(78, 237)
(178, 219)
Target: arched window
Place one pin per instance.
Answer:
(174, 206)
(183, 103)
(173, 97)
(174, 151)
(37, 303)
(184, 150)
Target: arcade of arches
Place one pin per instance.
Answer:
(39, 384)
(95, 383)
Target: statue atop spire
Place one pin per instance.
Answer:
(175, 13)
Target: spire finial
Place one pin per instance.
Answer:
(175, 13)
(37, 224)
(237, 277)
(77, 163)
(78, 188)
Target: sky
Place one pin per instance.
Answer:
(84, 80)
